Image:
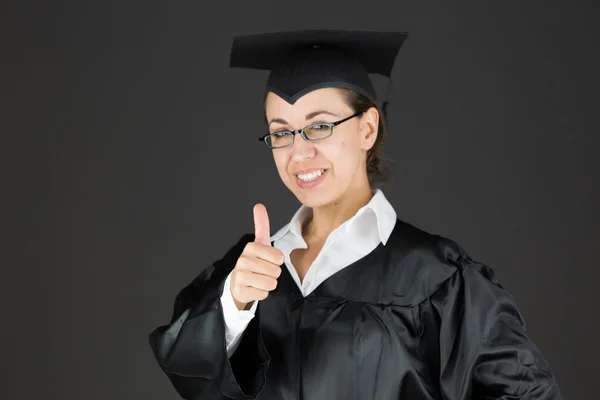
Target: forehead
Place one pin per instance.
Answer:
(330, 99)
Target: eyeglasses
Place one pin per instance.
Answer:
(312, 133)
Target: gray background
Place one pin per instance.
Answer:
(129, 161)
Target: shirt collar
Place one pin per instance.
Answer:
(379, 205)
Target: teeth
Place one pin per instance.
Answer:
(312, 176)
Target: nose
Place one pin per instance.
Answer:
(301, 149)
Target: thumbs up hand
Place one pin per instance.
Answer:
(258, 267)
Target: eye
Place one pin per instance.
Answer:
(319, 127)
(279, 134)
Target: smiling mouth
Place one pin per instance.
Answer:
(311, 176)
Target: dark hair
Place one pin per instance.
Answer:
(377, 172)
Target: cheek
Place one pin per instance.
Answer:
(281, 161)
(346, 154)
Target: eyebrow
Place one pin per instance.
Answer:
(308, 116)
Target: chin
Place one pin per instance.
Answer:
(322, 195)
(313, 201)
(314, 198)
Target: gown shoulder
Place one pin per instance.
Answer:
(472, 329)
(420, 263)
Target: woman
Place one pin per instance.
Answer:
(346, 301)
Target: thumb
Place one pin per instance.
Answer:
(261, 225)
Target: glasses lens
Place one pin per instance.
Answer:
(279, 139)
(317, 132)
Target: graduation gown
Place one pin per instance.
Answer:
(414, 319)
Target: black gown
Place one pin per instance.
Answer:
(414, 319)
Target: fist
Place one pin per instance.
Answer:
(258, 267)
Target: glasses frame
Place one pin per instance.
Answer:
(331, 125)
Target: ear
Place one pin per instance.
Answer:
(369, 127)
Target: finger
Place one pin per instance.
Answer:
(262, 267)
(258, 266)
(267, 253)
(258, 281)
(247, 294)
(261, 225)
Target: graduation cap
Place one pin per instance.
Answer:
(303, 61)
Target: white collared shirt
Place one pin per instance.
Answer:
(351, 241)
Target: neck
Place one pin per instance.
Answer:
(327, 218)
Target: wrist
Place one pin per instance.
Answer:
(240, 306)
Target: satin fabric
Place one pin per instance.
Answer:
(415, 319)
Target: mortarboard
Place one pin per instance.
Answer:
(303, 61)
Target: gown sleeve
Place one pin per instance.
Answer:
(485, 351)
(191, 350)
